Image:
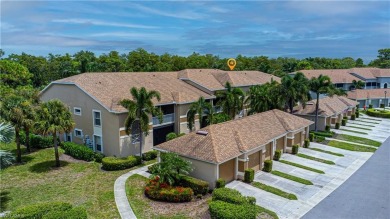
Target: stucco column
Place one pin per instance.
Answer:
(236, 168)
(285, 144)
(273, 147)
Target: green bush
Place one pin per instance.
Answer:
(220, 183)
(225, 210)
(345, 117)
(197, 185)
(357, 114)
(164, 192)
(249, 175)
(343, 122)
(327, 128)
(150, 155)
(320, 138)
(152, 168)
(325, 134)
(295, 149)
(370, 106)
(382, 105)
(378, 113)
(37, 211)
(353, 116)
(267, 166)
(278, 154)
(307, 143)
(74, 213)
(81, 152)
(171, 136)
(231, 196)
(114, 163)
(311, 136)
(181, 134)
(337, 125)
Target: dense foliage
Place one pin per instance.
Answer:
(114, 163)
(81, 152)
(165, 192)
(378, 113)
(197, 185)
(249, 175)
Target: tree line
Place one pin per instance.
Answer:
(53, 67)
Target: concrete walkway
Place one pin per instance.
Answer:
(366, 194)
(122, 203)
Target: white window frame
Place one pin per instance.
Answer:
(74, 111)
(93, 117)
(78, 136)
(66, 136)
(101, 143)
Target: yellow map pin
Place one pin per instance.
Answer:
(231, 63)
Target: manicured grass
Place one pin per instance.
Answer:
(327, 152)
(350, 147)
(359, 140)
(364, 121)
(316, 159)
(372, 119)
(364, 124)
(357, 132)
(274, 190)
(37, 180)
(301, 166)
(291, 177)
(262, 210)
(357, 127)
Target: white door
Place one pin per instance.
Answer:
(98, 143)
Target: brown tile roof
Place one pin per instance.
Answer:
(230, 139)
(328, 106)
(214, 79)
(360, 94)
(348, 101)
(336, 75)
(371, 73)
(110, 88)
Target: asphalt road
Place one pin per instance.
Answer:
(366, 194)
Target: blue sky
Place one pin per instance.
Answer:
(225, 28)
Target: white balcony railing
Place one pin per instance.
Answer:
(167, 118)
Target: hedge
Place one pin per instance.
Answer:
(378, 113)
(165, 192)
(382, 105)
(267, 166)
(353, 116)
(150, 155)
(325, 134)
(345, 117)
(171, 136)
(81, 152)
(37, 141)
(370, 106)
(278, 154)
(249, 175)
(343, 122)
(307, 143)
(220, 183)
(337, 125)
(225, 210)
(114, 163)
(231, 196)
(74, 213)
(38, 211)
(327, 128)
(295, 149)
(357, 114)
(320, 138)
(197, 185)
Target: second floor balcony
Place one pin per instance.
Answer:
(167, 119)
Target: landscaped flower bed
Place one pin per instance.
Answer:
(165, 192)
(378, 113)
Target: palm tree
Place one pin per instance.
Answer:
(200, 107)
(6, 135)
(232, 100)
(320, 85)
(29, 112)
(358, 84)
(140, 107)
(54, 118)
(258, 99)
(294, 89)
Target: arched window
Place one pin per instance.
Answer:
(385, 85)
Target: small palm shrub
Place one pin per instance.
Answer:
(278, 154)
(295, 149)
(267, 166)
(249, 175)
(220, 183)
(6, 159)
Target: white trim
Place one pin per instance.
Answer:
(74, 111)
(66, 137)
(93, 118)
(78, 136)
(101, 143)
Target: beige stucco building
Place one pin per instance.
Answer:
(225, 150)
(93, 99)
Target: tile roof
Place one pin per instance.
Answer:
(328, 106)
(360, 94)
(371, 73)
(110, 88)
(230, 139)
(336, 75)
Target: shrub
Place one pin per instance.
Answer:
(81, 152)
(197, 185)
(325, 134)
(249, 175)
(343, 122)
(181, 134)
(295, 149)
(320, 138)
(311, 136)
(307, 143)
(114, 163)
(382, 105)
(165, 192)
(357, 114)
(345, 117)
(267, 166)
(370, 106)
(337, 126)
(171, 136)
(74, 213)
(40, 142)
(220, 183)
(150, 155)
(231, 196)
(378, 113)
(353, 117)
(39, 210)
(278, 154)
(224, 210)
(327, 128)
(152, 168)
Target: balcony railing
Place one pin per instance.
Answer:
(217, 109)
(167, 118)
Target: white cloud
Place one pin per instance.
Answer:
(190, 15)
(102, 23)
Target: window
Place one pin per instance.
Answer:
(77, 111)
(78, 133)
(96, 118)
(98, 143)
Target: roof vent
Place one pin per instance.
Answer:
(200, 132)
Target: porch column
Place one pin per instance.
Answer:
(285, 144)
(236, 168)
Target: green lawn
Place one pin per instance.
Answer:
(316, 159)
(274, 190)
(359, 140)
(364, 121)
(327, 152)
(371, 119)
(357, 127)
(291, 177)
(37, 180)
(350, 147)
(373, 126)
(301, 166)
(347, 130)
